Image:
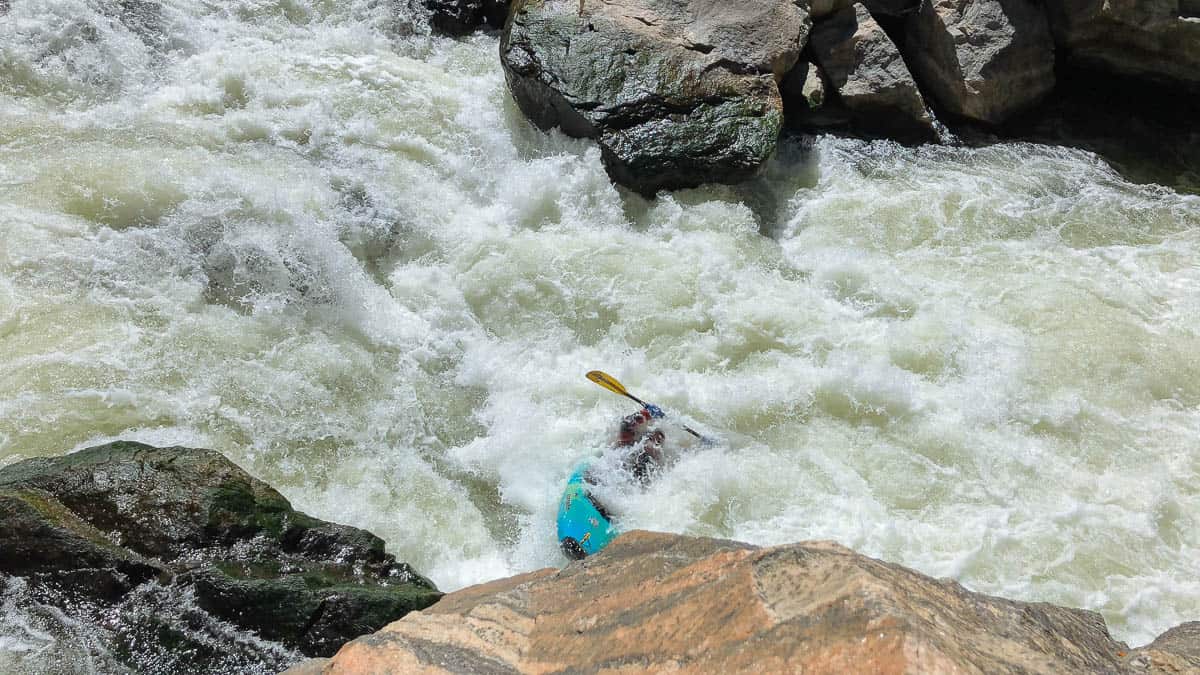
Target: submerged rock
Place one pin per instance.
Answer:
(869, 76)
(99, 522)
(676, 94)
(984, 60)
(667, 603)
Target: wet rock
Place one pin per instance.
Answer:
(160, 502)
(1154, 39)
(666, 603)
(984, 60)
(45, 540)
(460, 17)
(101, 521)
(143, 17)
(869, 76)
(676, 94)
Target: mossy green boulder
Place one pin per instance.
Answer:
(99, 522)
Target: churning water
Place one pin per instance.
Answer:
(303, 234)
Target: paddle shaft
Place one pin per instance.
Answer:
(610, 383)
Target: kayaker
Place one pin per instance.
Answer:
(584, 522)
(638, 433)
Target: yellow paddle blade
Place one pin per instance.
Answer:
(608, 382)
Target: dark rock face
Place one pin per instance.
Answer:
(984, 60)
(460, 17)
(1154, 39)
(45, 540)
(99, 522)
(878, 8)
(675, 93)
(808, 101)
(869, 75)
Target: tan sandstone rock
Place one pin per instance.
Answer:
(672, 604)
(1175, 651)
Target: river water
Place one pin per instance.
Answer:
(305, 234)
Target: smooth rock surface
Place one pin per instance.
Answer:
(869, 75)
(1154, 39)
(100, 522)
(675, 93)
(985, 60)
(666, 603)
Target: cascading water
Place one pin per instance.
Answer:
(299, 233)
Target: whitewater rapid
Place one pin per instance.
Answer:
(307, 235)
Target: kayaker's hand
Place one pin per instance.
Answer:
(655, 411)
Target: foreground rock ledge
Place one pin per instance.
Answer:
(666, 603)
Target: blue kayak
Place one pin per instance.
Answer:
(584, 527)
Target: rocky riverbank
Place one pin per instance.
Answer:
(679, 94)
(666, 603)
(106, 534)
(96, 532)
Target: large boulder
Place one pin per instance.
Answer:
(675, 93)
(102, 521)
(667, 603)
(869, 75)
(1154, 39)
(984, 60)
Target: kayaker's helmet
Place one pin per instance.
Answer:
(628, 433)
